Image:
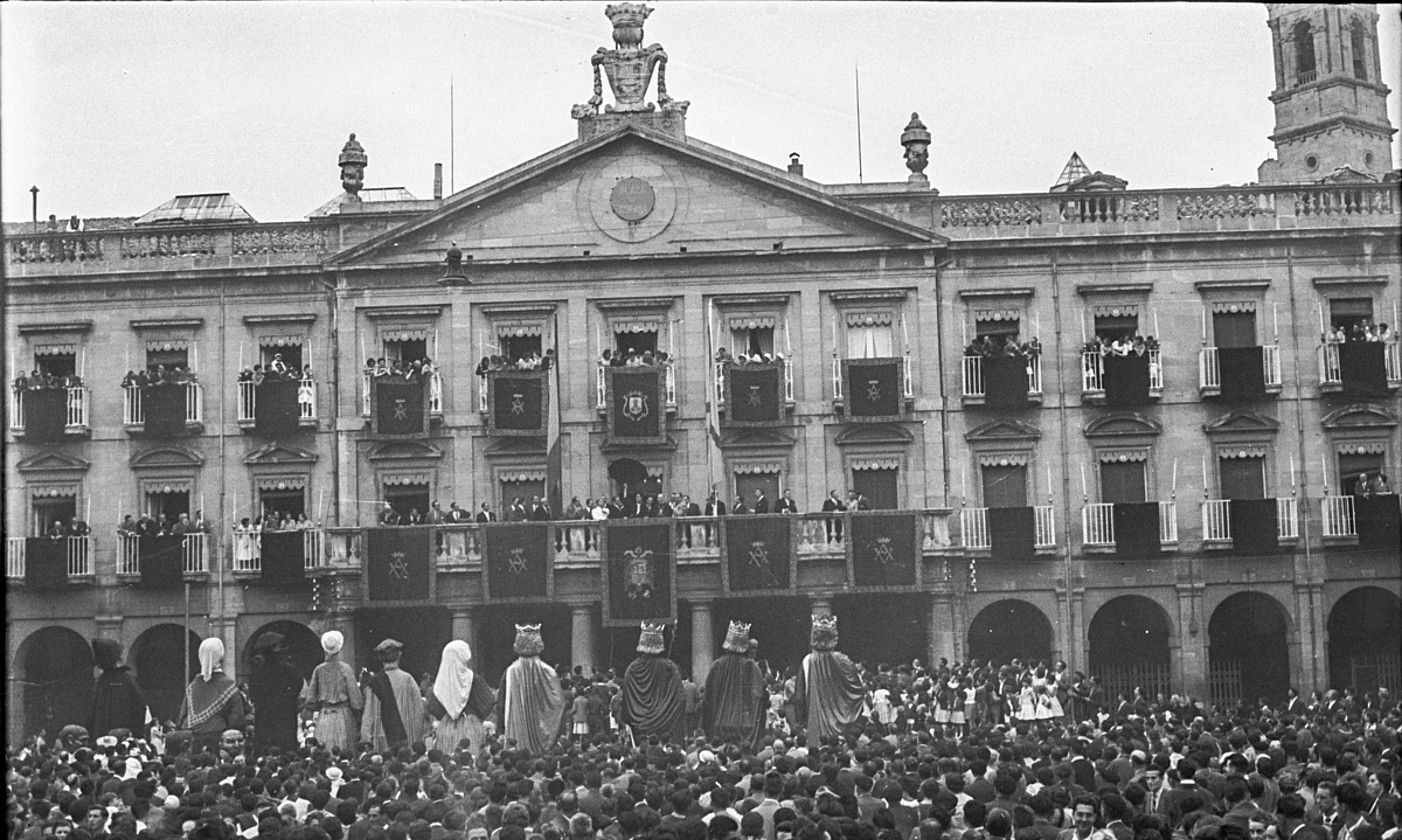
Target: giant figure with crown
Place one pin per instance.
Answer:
(828, 691)
(530, 702)
(734, 703)
(654, 704)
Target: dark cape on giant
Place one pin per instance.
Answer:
(118, 702)
(653, 700)
(827, 694)
(734, 700)
(274, 688)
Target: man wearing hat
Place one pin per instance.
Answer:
(394, 708)
(828, 691)
(733, 709)
(530, 702)
(118, 702)
(274, 688)
(653, 700)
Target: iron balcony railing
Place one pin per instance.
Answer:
(839, 395)
(1217, 524)
(973, 524)
(195, 553)
(248, 552)
(973, 377)
(77, 550)
(248, 402)
(719, 369)
(1093, 373)
(1331, 372)
(76, 419)
(1210, 373)
(669, 387)
(1098, 524)
(435, 393)
(134, 414)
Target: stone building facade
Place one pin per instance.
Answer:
(640, 237)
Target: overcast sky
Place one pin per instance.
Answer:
(112, 109)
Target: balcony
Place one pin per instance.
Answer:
(1098, 525)
(974, 386)
(1093, 375)
(1217, 522)
(134, 414)
(248, 404)
(250, 562)
(973, 524)
(1332, 379)
(839, 395)
(78, 550)
(194, 554)
(76, 413)
(669, 386)
(435, 394)
(719, 369)
(1210, 372)
(1338, 517)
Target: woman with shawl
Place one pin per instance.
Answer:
(334, 696)
(212, 701)
(459, 701)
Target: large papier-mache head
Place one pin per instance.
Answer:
(528, 640)
(652, 638)
(737, 638)
(824, 635)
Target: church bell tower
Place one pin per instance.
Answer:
(1330, 102)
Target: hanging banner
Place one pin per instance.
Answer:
(639, 574)
(45, 563)
(398, 564)
(517, 402)
(1242, 373)
(284, 557)
(1012, 534)
(1255, 524)
(163, 557)
(1126, 379)
(276, 412)
(401, 406)
(518, 562)
(1136, 529)
(752, 395)
(883, 552)
(874, 388)
(758, 555)
(636, 413)
(163, 407)
(1005, 382)
(45, 414)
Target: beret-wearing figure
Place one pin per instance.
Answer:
(734, 704)
(653, 700)
(394, 708)
(530, 702)
(828, 691)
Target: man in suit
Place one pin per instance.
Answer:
(833, 506)
(389, 517)
(739, 507)
(456, 514)
(485, 514)
(517, 511)
(540, 511)
(786, 504)
(761, 501)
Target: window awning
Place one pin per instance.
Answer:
(1117, 310)
(1362, 448)
(56, 350)
(167, 485)
(1122, 456)
(751, 322)
(1005, 460)
(167, 344)
(635, 325)
(523, 476)
(280, 341)
(997, 315)
(1246, 451)
(406, 479)
(868, 319)
(877, 464)
(404, 333)
(53, 491)
(508, 329)
(282, 482)
(759, 469)
(1233, 306)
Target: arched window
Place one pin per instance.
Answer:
(1358, 35)
(1304, 53)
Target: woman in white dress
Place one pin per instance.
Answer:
(245, 545)
(1027, 701)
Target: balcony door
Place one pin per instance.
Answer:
(288, 503)
(49, 509)
(879, 486)
(405, 498)
(291, 355)
(1353, 465)
(1242, 478)
(869, 341)
(747, 483)
(1122, 481)
(57, 365)
(1004, 486)
(1234, 329)
(1350, 313)
(168, 504)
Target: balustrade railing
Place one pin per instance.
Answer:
(248, 401)
(1093, 373)
(14, 557)
(1331, 372)
(973, 383)
(134, 414)
(1210, 372)
(75, 416)
(1098, 524)
(1339, 519)
(248, 553)
(1217, 523)
(973, 525)
(78, 556)
(195, 553)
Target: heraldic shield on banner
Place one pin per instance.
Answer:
(639, 571)
(883, 551)
(401, 406)
(752, 395)
(518, 560)
(758, 556)
(398, 565)
(636, 412)
(517, 402)
(875, 390)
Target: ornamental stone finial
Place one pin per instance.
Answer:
(629, 67)
(916, 139)
(353, 162)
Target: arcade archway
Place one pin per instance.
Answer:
(303, 646)
(1365, 635)
(1010, 629)
(155, 657)
(1247, 656)
(1128, 647)
(56, 679)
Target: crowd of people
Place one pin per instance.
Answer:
(410, 370)
(162, 525)
(1130, 344)
(37, 380)
(533, 361)
(634, 358)
(989, 346)
(724, 356)
(276, 370)
(1360, 331)
(60, 528)
(827, 750)
(159, 375)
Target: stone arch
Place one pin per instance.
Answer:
(155, 658)
(53, 673)
(1129, 644)
(1011, 629)
(1248, 656)
(1365, 635)
(303, 646)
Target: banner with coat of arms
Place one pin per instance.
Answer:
(639, 573)
(398, 565)
(636, 411)
(752, 395)
(517, 402)
(758, 555)
(875, 390)
(518, 562)
(401, 406)
(883, 551)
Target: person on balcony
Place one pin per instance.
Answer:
(245, 544)
(78, 528)
(575, 536)
(832, 524)
(57, 530)
(389, 517)
(761, 504)
(739, 508)
(486, 514)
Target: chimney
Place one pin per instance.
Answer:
(73, 223)
(795, 168)
(437, 181)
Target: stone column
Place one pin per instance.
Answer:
(227, 631)
(463, 626)
(944, 628)
(110, 627)
(701, 635)
(582, 637)
(1191, 667)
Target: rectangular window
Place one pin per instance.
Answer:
(1242, 478)
(881, 487)
(51, 509)
(57, 365)
(407, 498)
(1354, 465)
(291, 355)
(635, 343)
(1350, 313)
(1122, 481)
(869, 341)
(752, 340)
(409, 350)
(167, 507)
(1004, 486)
(747, 483)
(1112, 327)
(517, 347)
(169, 358)
(1234, 329)
(524, 490)
(288, 504)
(997, 329)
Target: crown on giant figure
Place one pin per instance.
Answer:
(652, 638)
(528, 640)
(824, 633)
(737, 638)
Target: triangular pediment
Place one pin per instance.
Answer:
(635, 192)
(755, 438)
(1359, 416)
(52, 462)
(1122, 425)
(166, 456)
(874, 433)
(1243, 421)
(402, 450)
(279, 453)
(1003, 430)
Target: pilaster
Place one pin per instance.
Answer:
(702, 636)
